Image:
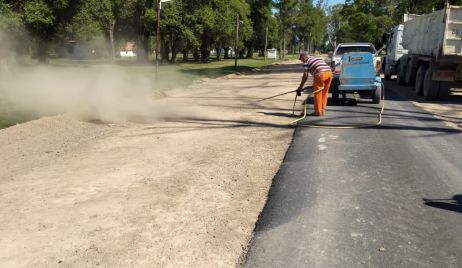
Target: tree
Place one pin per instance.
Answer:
(261, 16)
(10, 26)
(311, 26)
(371, 16)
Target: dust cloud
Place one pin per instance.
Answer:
(107, 93)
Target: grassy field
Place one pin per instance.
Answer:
(4, 123)
(174, 75)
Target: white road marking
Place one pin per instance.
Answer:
(334, 137)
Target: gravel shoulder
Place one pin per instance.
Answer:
(185, 191)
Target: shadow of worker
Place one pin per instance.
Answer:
(454, 204)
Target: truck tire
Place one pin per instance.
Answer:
(410, 75)
(377, 95)
(385, 68)
(419, 79)
(335, 93)
(444, 91)
(400, 74)
(430, 87)
(335, 97)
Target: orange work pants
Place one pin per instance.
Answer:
(321, 82)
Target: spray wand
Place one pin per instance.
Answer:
(292, 91)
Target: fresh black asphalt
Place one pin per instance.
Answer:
(389, 196)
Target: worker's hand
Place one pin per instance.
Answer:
(299, 91)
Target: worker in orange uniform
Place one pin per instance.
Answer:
(322, 77)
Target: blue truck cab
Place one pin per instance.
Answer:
(358, 75)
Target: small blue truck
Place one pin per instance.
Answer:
(358, 75)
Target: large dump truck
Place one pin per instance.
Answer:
(433, 63)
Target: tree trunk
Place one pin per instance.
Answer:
(226, 56)
(42, 52)
(175, 44)
(142, 49)
(185, 55)
(165, 49)
(241, 53)
(249, 52)
(205, 55)
(261, 53)
(218, 53)
(196, 54)
(170, 44)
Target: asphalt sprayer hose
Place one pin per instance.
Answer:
(379, 121)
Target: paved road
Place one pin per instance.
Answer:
(359, 198)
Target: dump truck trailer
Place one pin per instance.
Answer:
(433, 62)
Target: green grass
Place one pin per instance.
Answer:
(172, 75)
(4, 123)
(190, 70)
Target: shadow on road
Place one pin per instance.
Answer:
(242, 69)
(289, 115)
(407, 93)
(452, 204)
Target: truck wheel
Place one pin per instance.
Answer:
(444, 91)
(430, 87)
(335, 94)
(386, 74)
(377, 95)
(419, 79)
(400, 75)
(410, 75)
(335, 97)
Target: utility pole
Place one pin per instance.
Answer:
(266, 43)
(283, 32)
(159, 7)
(237, 40)
(157, 38)
(111, 38)
(282, 37)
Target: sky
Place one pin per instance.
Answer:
(333, 2)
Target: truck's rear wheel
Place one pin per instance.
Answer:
(444, 91)
(400, 74)
(385, 67)
(410, 75)
(377, 95)
(419, 79)
(430, 87)
(335, 93)
(335, 97)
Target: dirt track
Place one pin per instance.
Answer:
(175, 193)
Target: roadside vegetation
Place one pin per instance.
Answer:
(44, 29)
(4, 123)
(192, 30)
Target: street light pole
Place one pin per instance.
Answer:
(266, 43)
(159, 7)
(157, 38)
(237, 39)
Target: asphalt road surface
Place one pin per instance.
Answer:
(389, 196)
